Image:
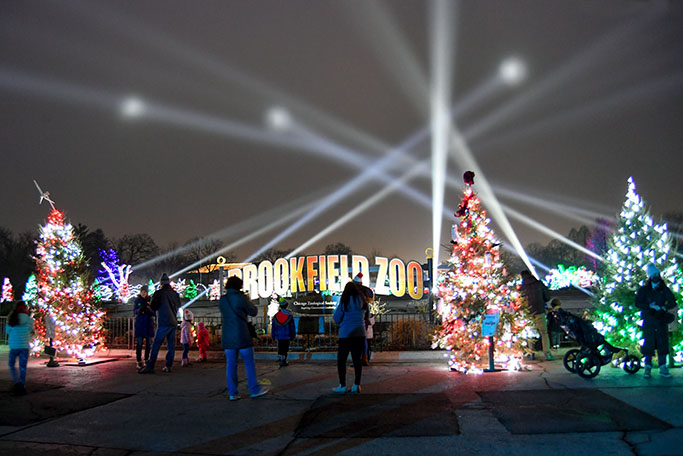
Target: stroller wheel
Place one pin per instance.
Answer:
(588, 365)
(631, 364)
(570, 360)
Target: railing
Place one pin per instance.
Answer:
(3, 334)
(391, 332)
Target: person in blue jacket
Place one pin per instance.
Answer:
(283, 330)
(144, 325)
(19, 328)
(351, 316)
(236, 340)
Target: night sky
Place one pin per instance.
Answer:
(603, 100)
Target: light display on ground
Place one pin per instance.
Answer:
(572, 276)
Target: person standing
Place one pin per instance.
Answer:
(236, 340)
(144, 325)
(203, 342)
(654, 299)
(283, 330)
(19, 328)
(369, 336)
(186, 336)
(165, 302)
(351, 316)
(537, 295)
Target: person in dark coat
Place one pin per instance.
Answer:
(554, 329)
(144, 325)
(537, 295)
(654, 299)
(236, 340)
(283, 330)
(165, 302)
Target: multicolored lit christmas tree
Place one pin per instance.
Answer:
(64, 293)
(475, 286)
(636, 242)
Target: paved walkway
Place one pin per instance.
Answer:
(410, 404)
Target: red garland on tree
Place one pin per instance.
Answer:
(476, 284)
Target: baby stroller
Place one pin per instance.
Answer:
(595, 351)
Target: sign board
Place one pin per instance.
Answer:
(489, 325)
(330, 272)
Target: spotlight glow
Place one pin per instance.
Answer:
(512, 71)
(278, 119)
(132, 107)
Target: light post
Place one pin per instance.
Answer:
(430, 255)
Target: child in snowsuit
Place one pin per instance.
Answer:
(202, 342)
(186, 336)
(283, 331)
(19, 329)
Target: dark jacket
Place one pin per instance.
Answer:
(235, 307)
(144, 317)
(283, 325)
(660, 295)
(536, 294)
(165, 302)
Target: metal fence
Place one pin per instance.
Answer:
(3, 333)
(391, 332)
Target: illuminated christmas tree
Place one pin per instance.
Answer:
(64, 293)
(636, 242)
(475, 286)
(30, 290)
(7, 291)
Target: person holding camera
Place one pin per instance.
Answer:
(237, 339)
(654, 299)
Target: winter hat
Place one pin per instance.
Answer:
(164, 280)
(555, 303)
(358, 278)
(651, 270)
(188, 315)
(21, 308)
(283, 303)
(201, 325)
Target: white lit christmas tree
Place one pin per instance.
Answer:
(63, 292)
(30, 290)
(636, 242)
(474, 286)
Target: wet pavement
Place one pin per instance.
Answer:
(409, 404)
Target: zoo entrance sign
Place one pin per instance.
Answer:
(329, 273)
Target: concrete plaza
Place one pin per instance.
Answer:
(410, 404)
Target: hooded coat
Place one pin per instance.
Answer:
(283, 325)
(235, 307)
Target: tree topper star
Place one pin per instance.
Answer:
(44, 195)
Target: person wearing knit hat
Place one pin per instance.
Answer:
(655, 299)
(165, 302)
(186, 336)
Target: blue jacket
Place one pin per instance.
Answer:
(283, 326)
(19, 336)
(235, 307)
(144, 317)
(165, 301)
(352, 320)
